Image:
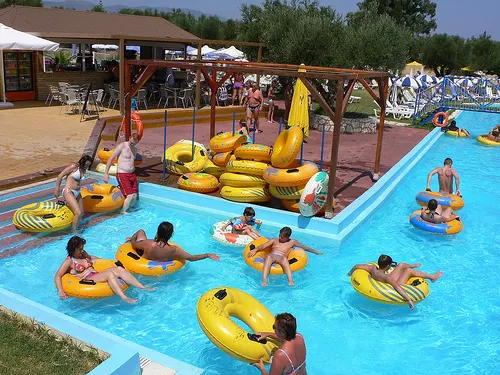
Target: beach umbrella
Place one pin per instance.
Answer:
(230, 53)
(467, 82)
(408, 81)
(299, 110)
(428, 79)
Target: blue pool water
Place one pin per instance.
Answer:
(454, 331)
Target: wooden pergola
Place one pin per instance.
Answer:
(345, 79)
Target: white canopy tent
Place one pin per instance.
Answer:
(231, 52)
(191, 51)
(12, 40)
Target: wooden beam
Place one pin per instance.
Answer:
(259, 59)
(121, 75)
(198, 81)
(347, 95)
(335, 148)
(213, 102)
(128, 103)
(223, 79)
(383, 88)
(142, 79)
(370, 91)
(208, 78)
(193, 41)
(316, 95)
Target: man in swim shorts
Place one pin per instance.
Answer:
(159, 249)
(445, 178)
(127, 180)
(280, 249)
(399, 276)
(254, 103)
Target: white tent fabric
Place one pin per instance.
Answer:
(232, 52)
(105, 46)
(191, 51)
(11, 40)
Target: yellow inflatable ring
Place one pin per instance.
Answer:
(486, 141)
(214, 311)
(105, 154)
(213, 169)
(226, 141)
(287, 147)
(290, 177)
(75, 287)
(137, 264)
(417, 288)
(179, 158)
(101, 198)
(297, 258)
(255, 168)
(43, 217)
(198, 182)
(445, 200)
(294, 205)
(241, 180)
(291, 192)
(246, 195)
(101, 168)
(450, 227)
(221, 159)
(254, 152)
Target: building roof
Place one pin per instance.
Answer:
(76, 24)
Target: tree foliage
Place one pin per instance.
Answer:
(418, 16)
(98, 8)
(29, 3)
(443, 53)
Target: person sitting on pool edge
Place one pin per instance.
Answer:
(434, 213)
(244, 224)
(80, 263)
(399, 276)
(445, 178)
(280, 248)
(453, 127)
(159, 249)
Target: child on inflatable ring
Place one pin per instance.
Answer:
(245, 224)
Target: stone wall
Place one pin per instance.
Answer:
(349, 125)
(43, 79)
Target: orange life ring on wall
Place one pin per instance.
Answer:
(138, 124)
(436, 122)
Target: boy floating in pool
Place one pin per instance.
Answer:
(434, 213)
(244, 224)
(280, 249)
(445, 178)
(159, 249)
(399, 276)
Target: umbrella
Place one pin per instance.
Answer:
(408, 81)
(427, 79)
(105, 46)
(467, 82)
(231, 52)
(11, 39)
(205, 50)
(299, 110)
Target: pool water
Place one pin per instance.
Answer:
(454, 331)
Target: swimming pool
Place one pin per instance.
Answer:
(454, 331)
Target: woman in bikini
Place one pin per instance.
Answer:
(271, 96)
(434, 213)
(254, 102)
(238, 87)
(80, 264)
(74, 173)
(290, 358)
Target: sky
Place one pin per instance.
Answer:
(457, 17)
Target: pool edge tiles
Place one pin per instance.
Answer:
(124, 355)
(336, 229)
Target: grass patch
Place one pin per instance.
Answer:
(28, 347)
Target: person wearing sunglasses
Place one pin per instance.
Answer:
(290, 358)
(400, 275)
